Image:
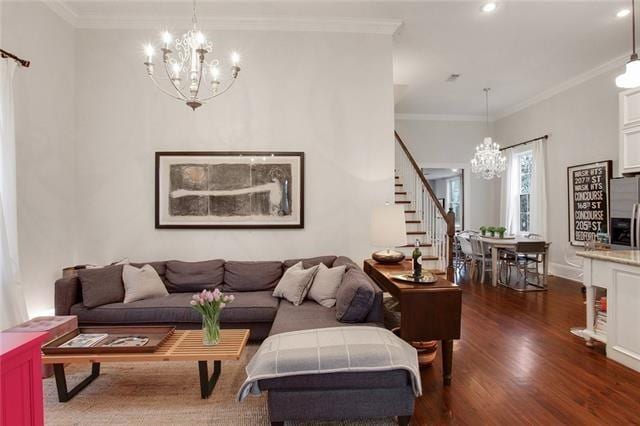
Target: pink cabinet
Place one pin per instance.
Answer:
(20, 379)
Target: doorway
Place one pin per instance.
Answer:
(448, 185)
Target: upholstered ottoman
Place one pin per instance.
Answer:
(340, 396)
(54, 326)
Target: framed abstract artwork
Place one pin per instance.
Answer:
(229, 190)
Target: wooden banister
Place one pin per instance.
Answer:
(449, 217)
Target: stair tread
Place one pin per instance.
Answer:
(409, 211)
(403, 202)
(421, 245)
(398, 184)
(430, 257)
(412, 221)
(416, 232)
(401, 193)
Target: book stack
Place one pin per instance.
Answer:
(600, 325)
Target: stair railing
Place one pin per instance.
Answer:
(438, 224)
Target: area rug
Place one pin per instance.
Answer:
(163, 393)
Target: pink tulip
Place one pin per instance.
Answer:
(193, 303)
(222, 305)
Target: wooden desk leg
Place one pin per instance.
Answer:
(447, 361)
(545, 266)
(494, 265)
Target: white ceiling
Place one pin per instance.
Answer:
(521, 50)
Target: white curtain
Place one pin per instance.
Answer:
(12, 304)
(538, 201)
(509, 201)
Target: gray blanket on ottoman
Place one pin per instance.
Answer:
(330, 350)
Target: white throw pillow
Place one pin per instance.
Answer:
(295, 283)
(325, 285)
(142, 283)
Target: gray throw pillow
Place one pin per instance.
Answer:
(355, 297)
(193, 277)
(101, 286)
(142, 283)
(295, 283)
(325, 285)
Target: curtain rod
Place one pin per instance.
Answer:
(545, 137)
(22, 62)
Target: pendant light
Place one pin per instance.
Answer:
(631, 77)
(488, 161)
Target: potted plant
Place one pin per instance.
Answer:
(210, 304)
(492, 231)
(483, 230)
(501, 230)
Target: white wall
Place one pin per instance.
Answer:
(44, 113)
(582, 123)
(327, 94)
(452, 144)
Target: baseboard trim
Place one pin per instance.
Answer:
(565, 271)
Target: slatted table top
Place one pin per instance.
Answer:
(182, 345)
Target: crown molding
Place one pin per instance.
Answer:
(242, 23)
(442, 117)
(63, 10)
(566, 85)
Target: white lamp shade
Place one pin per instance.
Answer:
(388, 228)
(631, 77)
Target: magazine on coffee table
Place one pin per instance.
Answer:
(129, 341)
(85, 340)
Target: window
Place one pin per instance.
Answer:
(525, 167)
(454, 199)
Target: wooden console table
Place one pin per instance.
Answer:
(428, 311)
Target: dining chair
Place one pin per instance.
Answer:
(481, 256)
(466, 252)
(523, 256)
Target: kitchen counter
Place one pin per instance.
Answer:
(615, 273)
(626, 257)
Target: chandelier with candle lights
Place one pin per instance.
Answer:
(191, 78)
(488, 161)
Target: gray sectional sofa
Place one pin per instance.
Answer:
(308, 397)
(251, 283)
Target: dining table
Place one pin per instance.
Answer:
(510, 242)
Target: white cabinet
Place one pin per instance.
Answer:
(629, 150)
(622, 282)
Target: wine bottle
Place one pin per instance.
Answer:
(417, 260)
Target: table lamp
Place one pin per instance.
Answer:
(388, 229)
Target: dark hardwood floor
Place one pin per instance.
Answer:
(517, 363)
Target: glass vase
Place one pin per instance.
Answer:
(210, 330)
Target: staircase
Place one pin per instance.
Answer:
(425, 217)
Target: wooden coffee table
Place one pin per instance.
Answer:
(183, 345)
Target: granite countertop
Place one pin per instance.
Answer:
(627, 257)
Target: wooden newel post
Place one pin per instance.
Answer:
(451, 231)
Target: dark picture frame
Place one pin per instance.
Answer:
(229, 190)
(588, 174)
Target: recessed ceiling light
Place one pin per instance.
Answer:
(454, 170)
(489, 7)
(622, 13)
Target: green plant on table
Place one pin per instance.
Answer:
(492, 231)
(483, 230)
(501, 230)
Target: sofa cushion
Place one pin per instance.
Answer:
(101, 286)
(142, 283)
(355, 297)
(305, 316)
(325, 285)
(251, 276)
(194, 277)
(176, 309)
(310, 261)
(295, 283)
